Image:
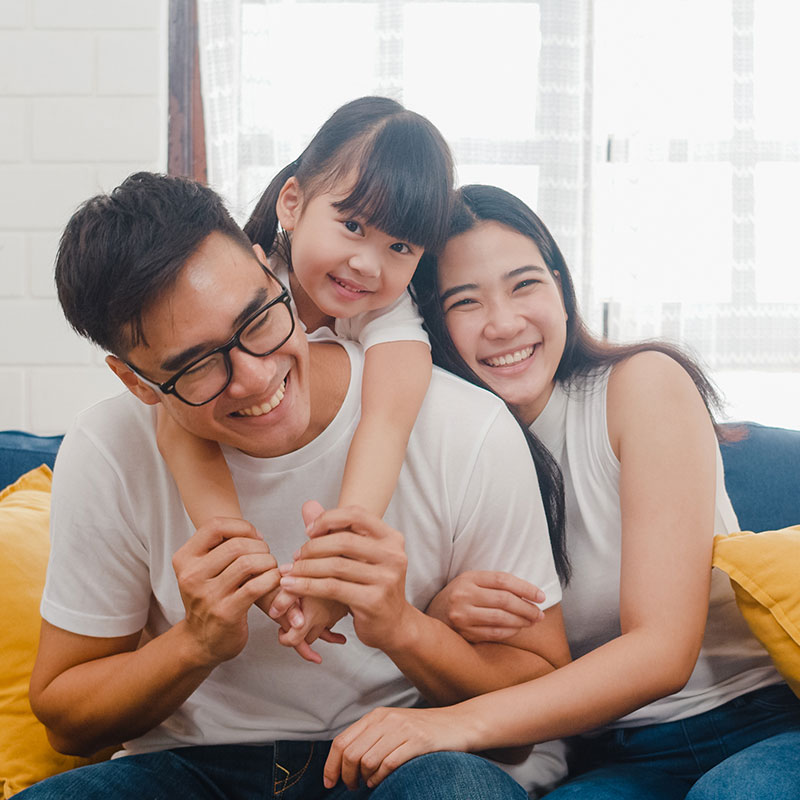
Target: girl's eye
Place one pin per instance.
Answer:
(527, 283)
(352, 226)
(400, 247)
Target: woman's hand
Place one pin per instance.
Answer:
(386, 738)
(487, 606)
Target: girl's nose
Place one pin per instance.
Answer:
(365, 263)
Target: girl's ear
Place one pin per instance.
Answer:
(289, 204)
(131, 380)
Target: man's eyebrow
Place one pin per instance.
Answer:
(179, 360)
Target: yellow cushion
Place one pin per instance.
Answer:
(764, 569)
(25, 754)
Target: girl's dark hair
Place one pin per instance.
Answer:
(397, 162)
(583, 353)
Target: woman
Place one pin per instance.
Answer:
(673, 692)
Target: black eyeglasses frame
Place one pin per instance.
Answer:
(168, 386)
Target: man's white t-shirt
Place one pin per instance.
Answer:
(465, 499)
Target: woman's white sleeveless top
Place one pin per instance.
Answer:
(573, 426)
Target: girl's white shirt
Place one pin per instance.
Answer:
(574, 427)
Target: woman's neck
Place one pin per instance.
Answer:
(529, 412)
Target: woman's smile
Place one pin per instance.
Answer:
(513, 358)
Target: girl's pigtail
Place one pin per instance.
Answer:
(262, 227)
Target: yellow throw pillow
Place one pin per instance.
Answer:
(25, 754)
(764, 569)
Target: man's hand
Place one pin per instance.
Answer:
(222, 570)
(356, 559)
(487, 606)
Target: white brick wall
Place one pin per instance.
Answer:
(83, 103)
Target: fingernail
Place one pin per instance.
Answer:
(284, 568)
(288, 580)
(296, 555)
(327, 783)
(273, 612)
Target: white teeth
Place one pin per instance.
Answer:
(511, 358)
(257, 411)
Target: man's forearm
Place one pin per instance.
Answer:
(447, 668)
(117, 697)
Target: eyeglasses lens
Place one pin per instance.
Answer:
(262, 335)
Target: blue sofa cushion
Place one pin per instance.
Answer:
(762, 476)
(21, 452)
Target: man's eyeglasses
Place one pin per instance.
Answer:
(207, 377)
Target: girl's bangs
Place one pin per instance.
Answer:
(403, 185)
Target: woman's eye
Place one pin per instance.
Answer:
(528, 282)
(465, 302)
(352, 226)
(400, 247)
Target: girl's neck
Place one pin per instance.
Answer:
(308, 312)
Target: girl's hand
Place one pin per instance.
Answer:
(386, 738)
(487, 606)
(319, 617)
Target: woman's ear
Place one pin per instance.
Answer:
(131, 380)
(289, 204)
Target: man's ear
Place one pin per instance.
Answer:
(131, 380)
(261, 256)
(289, 204)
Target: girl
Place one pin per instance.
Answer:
(670, 688)
(345, 225)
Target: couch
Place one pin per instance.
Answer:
(762, 475)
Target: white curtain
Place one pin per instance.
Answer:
(660, 143)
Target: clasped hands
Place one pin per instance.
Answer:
(352, 562)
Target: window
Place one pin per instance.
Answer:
(659, 142)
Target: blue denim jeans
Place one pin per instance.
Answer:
(746, 748)
(287, 771)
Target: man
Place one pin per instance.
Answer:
(150, 634)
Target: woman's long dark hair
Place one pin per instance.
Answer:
(397, 165)
(583, 353)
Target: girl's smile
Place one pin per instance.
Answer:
(504, 312)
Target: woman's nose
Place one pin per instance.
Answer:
(503, 323)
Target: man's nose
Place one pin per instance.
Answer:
(250, 374)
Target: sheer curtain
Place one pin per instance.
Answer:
(658, 141)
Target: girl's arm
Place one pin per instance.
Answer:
(200, 471)
(207, 491)
(396, 378)
(661, 433)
